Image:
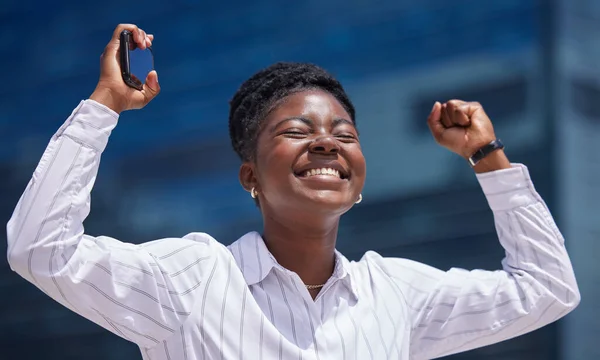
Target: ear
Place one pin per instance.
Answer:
(247, 176)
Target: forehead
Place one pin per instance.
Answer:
(314, 103)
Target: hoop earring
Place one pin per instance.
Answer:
(253, 193)
(359, 199)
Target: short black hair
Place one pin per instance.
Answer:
(257, 96)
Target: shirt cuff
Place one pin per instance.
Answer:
(90, 123)
(507, 189)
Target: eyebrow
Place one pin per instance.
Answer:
(336, 122)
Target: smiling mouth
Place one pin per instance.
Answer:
(323, 172)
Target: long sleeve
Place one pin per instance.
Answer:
(458, 310)
(142, 293)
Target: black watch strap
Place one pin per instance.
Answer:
(485, 151)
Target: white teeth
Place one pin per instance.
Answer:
(322, 171)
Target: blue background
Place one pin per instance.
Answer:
(169, 168)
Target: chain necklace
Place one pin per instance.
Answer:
(313, 287)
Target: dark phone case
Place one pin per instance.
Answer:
(126, 39)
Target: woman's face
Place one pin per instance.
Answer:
(309, 156)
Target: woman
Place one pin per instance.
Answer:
(285, 293)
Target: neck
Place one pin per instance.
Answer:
(304, 246)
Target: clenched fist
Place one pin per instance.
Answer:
(463, 127)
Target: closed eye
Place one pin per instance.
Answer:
(346, 137)
(294, 133)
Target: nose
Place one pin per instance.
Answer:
(325, 145)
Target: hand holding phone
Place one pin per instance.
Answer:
(127, 79)
(136, 63)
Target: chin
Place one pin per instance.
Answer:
(328, 201)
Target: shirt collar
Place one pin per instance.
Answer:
(256, 261)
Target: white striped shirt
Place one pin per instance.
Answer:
(192, 298)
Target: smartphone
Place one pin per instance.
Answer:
(135, 62)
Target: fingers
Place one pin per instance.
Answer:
(116, 37)
(151, 86)
(446, 116)
(454, 113)
(434, 121)
(470, 108)
(457, 113)
(141, 41)
(139, 37)
(149, 39)
(117, 32)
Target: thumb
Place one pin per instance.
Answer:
(151, 86)
(434, 121)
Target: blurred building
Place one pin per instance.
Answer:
(169, 169)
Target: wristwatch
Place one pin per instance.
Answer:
(485, 151)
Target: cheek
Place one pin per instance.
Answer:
(358, 161)
(274, 165)
(274, 155)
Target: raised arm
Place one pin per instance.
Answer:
(139, 292)
(459, 310)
